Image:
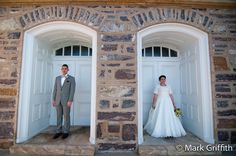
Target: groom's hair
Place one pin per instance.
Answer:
(161, 77)
(65, 65)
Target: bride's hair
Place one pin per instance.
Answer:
(161, 77)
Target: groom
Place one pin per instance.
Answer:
(63, 94)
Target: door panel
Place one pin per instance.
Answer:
(148, 83)
(39, 95)
(190, 95)
(83, 96)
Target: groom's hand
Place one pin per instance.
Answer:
(69, 103)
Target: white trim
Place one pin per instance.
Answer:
(23, 112)
(202, 38)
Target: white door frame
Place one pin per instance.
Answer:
(205, 74)
(26, 68)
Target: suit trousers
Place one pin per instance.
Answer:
(63, 110)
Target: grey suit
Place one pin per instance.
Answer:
(63, 94)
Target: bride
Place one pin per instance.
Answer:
(162, 121)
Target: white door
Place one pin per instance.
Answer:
(151, 70)
(81, 70)
(40, 91)
(191, 94)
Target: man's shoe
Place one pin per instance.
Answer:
(57, 135)
(65, 135)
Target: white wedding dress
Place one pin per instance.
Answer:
(162, 121)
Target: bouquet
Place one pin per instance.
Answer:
(178, 112)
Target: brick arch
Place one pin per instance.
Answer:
(81, 15)
(193, 17)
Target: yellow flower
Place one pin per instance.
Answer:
(178, 112)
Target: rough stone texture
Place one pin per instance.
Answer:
(220, 63)
(227, 113)
(8, 81)
(76, 144)
(223, 135)
(226, 123)
(6, 144)
(6, 130)
(124, 74)
(128, 132)
(116, 116)
(7, 103)
(104, 104)
(109, 146)
(117, 27)
(8, 115)
(8, 91)
(222, 88)
(222, 104)
(114, 128)
(233, 137)
(128, 103)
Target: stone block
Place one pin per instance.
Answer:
(113, 26)
(109, 47)
(125, 74)
(222, 104)
(113, 128)
(116, 91)
(115, 57)
(223, 135)
(7, 103)
(149, 150)
(103, 104)
(128, 103)
(220, 63)
(129, 132)
(231, 112)
(222, 88)
(226, 123)
(118, 38)
(14, 35)
(8, 81)
(117, 116)
(130, 49)
(6, 130)
(226, 96)
(124, 18)
(101, 130)
(113, 65)
(112, 146)
(233, 137)
(225, 77)
(8, 91)
(6, 144)
(8, 115)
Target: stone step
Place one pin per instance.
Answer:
(53, 149)
(170, 150)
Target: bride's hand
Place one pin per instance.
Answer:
(153, 106)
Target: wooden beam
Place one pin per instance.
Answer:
(141, 3)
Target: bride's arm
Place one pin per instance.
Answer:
(154, 100)
(172, 99)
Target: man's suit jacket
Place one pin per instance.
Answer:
(65, 92)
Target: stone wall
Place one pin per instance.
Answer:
(117, 26)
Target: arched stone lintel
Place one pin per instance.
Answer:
(192, 17)
(81, 15)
